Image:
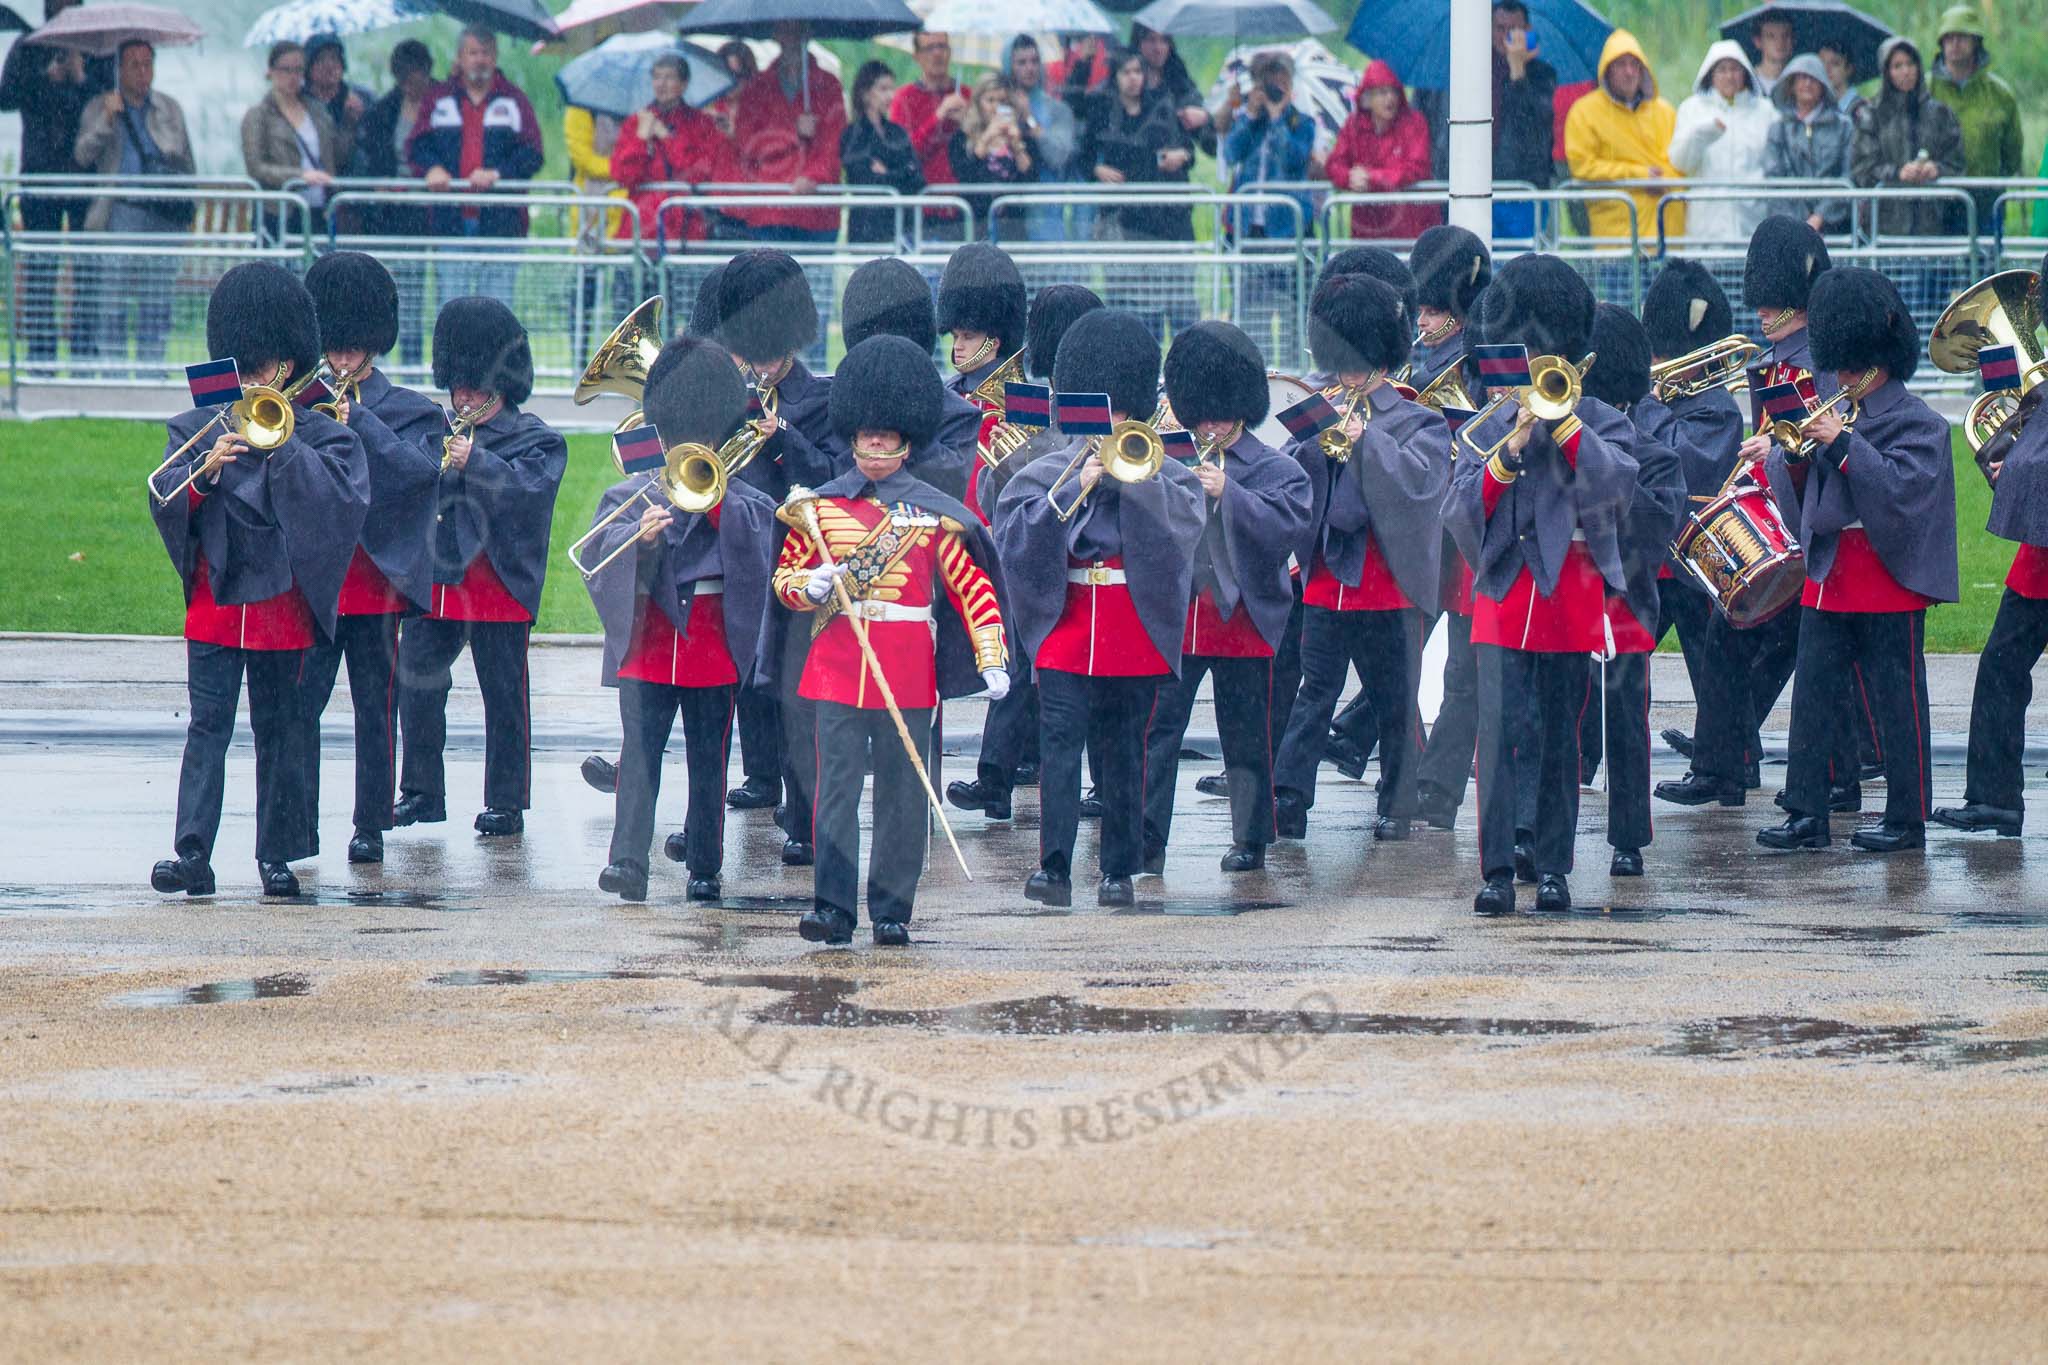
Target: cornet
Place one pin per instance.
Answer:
(262, 416)
(1334, 440)
(1795, 437)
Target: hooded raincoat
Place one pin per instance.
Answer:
(1605, 139)
(1720, 139)
(1392, 160)
(1818, 147)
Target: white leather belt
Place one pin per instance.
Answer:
(1096, 575)
(1853, 526)
(1578, 535)
(708, 587)
(889, 611)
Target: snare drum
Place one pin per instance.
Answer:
(1282, 391)
(1738, 547)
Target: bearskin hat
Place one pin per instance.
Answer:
(1620, 374)
(886, 296)
(765, 309)
(478, 344)
(1375, 262)
(887, 384)
(982, 292)
(1684, 310)
(704, 312)
(1856, 319)
(1540, 302)
(1451, 266)
(260, 314)
(357, 302)
(1215, 374)
(1354, 325)
(1785, 257)
(1112, 351)
(694, 393)
(1052, 312)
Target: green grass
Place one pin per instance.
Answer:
(82, 553)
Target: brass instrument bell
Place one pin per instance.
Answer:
(692, 478)
(1131, 453)
(1723, 364)
(2000, 310)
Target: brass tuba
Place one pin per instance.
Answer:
(622, 360)
(2000, 310)
(692, 478)
(1724, 364)
(1447, 390)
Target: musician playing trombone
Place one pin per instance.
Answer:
(261, 539)
(1868, 488)
(889, 580)
(683, 612)
(1540, 485)
(501, 471)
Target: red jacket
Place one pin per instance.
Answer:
(771, 152)
(1392, 160)
(916, 111)
(694, 150)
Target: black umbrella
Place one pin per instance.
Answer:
(1816, 24)
(850, 19)
(519, 18)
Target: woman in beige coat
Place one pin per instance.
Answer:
(286, 137)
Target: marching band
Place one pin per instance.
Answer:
(1082, 531)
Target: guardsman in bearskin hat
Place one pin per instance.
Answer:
(887, 297)
(766, 317)
(1257, 510)
(916, 566)
(494, 512)
(1451, 268)
(1620, 720)
(1098, 595)
(1539, 522)
(682, 615)
(1009, 732)
(982, 306)
(1998, 708)
(1370, 553)
(1874, 505)
(704, 307)
(262, 542)
(392, 570)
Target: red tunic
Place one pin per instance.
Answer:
(1858, 581)
(1571, 620)
(1630, 635)
(365, 591)
(480, 596)
(1209, 635)
(1377, 590)
(697, 658)
(280, 622)
(1099, 633)
(2029, 574)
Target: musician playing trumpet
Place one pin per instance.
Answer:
(1870, 493)
(682, 612)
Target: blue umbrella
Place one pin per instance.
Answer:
(1415, 39)
(617, 76)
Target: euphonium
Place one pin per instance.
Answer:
(2000, 310)
(1447, 390)
(1722, 365)
(992, 394)
(692, 478)
(1552, 394)
(1131, 453)
(262, 416)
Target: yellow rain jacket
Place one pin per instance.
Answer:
(1605, 139)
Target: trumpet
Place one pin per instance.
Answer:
(262, 416)
(1131, 453)
(464, 423)
(692, 478)
(342, 384)
(1723, 364)
(1210, 452)
(1334, 441)
(1552, 394)
(1795, 437)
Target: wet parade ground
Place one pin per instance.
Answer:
(464, 1105)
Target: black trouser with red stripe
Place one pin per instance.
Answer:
(1108, 717)
(370, 645)
(1385, 647)
(849, 738)
(1890, 647)
(647, 715)
(1244, 722)
(1998, 708)
(1529, 708)
(213, 684)
(760, 734)
(799, 717)
(427, 647)
(1617, 727)
(1009, 736)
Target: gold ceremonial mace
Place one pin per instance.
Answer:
(804, 503)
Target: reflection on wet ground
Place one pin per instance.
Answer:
(1939, 1046)
(283, 986)
(505, 976)
(1200, 907)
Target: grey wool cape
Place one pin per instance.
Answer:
(292, 515)
(1651, 520)
(2019, 500)
(740, 549)
(1390, 490)
(502, 504)
(1155, 525)
(401, 434)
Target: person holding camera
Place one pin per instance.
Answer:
(996, 144)
(1269, 140)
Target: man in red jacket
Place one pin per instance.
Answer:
(786, 125)
(929, 109)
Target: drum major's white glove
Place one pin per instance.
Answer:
(997, 681)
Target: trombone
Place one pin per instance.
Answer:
(1552, 394)
(1723, 364)
(691, 478)
(1131, 453)
(262, 416)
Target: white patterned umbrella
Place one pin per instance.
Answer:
(1008, 17)
(296, 21)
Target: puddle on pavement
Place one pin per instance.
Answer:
(1600, 945)
(730, 934)
(2037, 980)
(283, 986)
(496, 976)
(1630, 914)
(2000, 919)
(401, 929)
(1759, 1037)
(826, 1002)
(784, 905)
(1201, 908)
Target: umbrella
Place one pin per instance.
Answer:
(617, 76)
(1008, 17)
(849, 19)
(1235, 18)
(1817, 23)
(100, 30)
(10, 22)
(1415, 39)
(520, 18)
(586, 23)
(298, 20)
(1323, 84)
